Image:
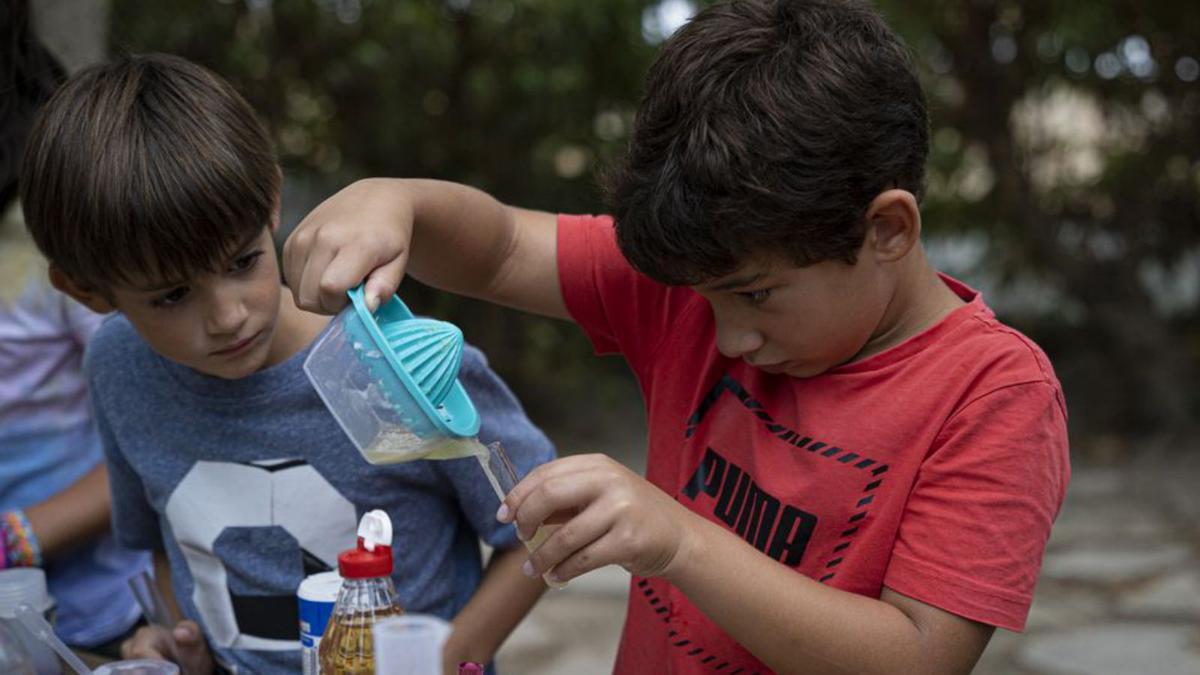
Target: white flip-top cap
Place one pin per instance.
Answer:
(375, 529)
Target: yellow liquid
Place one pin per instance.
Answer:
(472, 447)
(540, 536)
(386, 452)
(347, 647)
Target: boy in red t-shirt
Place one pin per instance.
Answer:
(853, 466)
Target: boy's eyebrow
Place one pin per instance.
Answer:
(167, 285)
(734, 282)
(160, 287)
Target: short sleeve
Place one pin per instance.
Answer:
(975, 526)
(620, 309)
(134, 521)
(501, 419)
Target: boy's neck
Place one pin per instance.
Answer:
(295, 329)
(920, 300)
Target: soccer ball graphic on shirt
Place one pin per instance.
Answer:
(286, 511)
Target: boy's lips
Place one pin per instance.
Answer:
(237, 347)
(774, 368)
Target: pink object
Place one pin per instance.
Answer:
(469, 668)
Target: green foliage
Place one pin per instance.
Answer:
(1067, 134)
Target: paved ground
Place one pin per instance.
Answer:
(1119, 595)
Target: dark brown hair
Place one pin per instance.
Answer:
(146, 168)
(767, 126)
(29, 73)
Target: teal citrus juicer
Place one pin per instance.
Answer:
(390, 379)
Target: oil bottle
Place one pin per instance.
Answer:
(367, 596)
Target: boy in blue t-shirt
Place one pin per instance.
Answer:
(153, 191)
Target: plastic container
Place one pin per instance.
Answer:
(390, 380)
(137, 667)
(14, 657)
(27, 586)
(410, 644)
(367, 595)
(316, 596)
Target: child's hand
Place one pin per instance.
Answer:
(362, 232)
(609, 515)
(183, 645)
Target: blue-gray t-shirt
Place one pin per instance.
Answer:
(250, 485)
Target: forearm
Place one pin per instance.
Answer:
(503, 598)
(73, 516)
(793, 623)
(466, 242)
(460, 235)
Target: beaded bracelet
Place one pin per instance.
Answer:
(19, 540)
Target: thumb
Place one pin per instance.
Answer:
(187, 632)
(384, 280)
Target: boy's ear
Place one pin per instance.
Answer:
(85, 296)
(893, 224)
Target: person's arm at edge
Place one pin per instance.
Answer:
(504, 597)
(449, 236)
(73, 516)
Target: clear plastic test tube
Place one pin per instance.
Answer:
(503, 477)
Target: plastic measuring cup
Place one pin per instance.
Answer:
(138, 667)
(390, 379)
(410, 644)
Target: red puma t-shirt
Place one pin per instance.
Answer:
(934, 468)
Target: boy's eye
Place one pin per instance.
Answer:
(246, 262)
(170, 298)
(756, 297)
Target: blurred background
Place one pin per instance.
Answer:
(1064, 182)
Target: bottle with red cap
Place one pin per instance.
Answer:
(367, 595)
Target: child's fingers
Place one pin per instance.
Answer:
(295, 257)
(347, 269)
(308, 293)
(384, 280)
(595, 555)
(566, 488)
(149, 642)
(578, 546)
(187, 632)
(517, 496)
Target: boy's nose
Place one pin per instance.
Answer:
(226, 316)
(736, 342)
